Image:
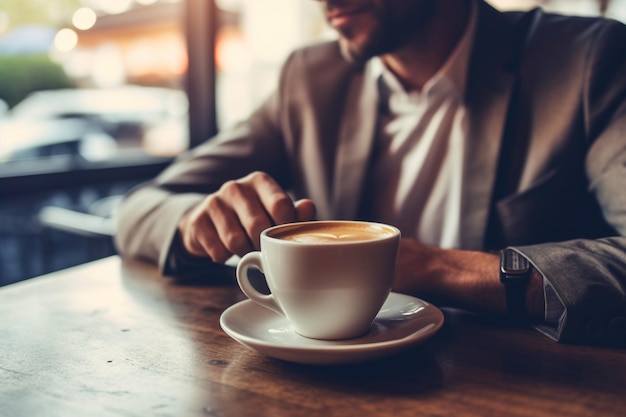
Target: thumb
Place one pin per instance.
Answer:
(305, 210)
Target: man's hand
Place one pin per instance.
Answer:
(459, 278)
(231, 220)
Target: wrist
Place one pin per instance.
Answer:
(467, 279)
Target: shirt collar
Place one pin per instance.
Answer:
(454, 70)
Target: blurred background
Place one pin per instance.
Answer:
(97, 96)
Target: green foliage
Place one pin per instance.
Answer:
(48, 12)
(23, 74)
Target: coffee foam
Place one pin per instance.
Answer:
(332, 232)
(313, 237)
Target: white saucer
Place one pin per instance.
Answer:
(402, 322)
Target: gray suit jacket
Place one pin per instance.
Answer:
(545, 166)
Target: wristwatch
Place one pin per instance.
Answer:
(515, 271)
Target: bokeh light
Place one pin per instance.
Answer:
(65, 40)
(84, 18)
(114, 6)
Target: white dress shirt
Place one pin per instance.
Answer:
(419, 155)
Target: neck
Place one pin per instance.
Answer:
(424, 54)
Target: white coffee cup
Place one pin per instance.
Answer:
(329, 278)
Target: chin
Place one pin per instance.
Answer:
(353, 53)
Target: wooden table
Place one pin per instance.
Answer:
(114, 338)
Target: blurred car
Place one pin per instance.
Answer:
(68, 138)
(94, 124)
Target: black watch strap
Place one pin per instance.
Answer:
(515, 271)
(516, 300)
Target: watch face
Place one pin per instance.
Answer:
(512, 262)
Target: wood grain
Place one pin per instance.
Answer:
(114, 338)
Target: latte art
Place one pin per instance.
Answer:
(327, 237)
(332, 233)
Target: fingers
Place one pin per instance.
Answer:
(239, 214)
(231, 234)
(305, 210)
(231, 220)
(276, 202)
(199, 236)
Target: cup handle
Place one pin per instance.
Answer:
(253, 260)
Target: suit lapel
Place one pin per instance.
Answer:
(490, 85)
(356, 138)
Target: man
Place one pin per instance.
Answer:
(470, 129)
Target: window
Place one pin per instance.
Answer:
(99, 95)
(92, 101)
(252, 41)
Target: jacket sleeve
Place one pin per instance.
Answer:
(589, 276)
